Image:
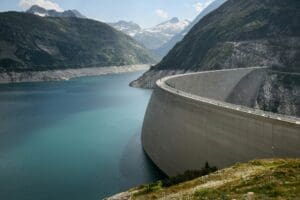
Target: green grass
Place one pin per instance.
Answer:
(262, 179)
(175, 180)
(279, 180)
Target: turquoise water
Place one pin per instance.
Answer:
(74, 140)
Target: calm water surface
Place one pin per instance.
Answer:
(74, 140)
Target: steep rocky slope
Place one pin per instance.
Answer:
(280, 93)
(29, 42)
(241, 33)
(260, 179)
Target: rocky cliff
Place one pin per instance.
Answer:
(280, 93)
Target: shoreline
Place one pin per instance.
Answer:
(67, 74)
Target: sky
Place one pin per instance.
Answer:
(146, 13)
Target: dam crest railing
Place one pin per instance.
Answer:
(171, 87)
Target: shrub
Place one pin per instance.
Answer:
(188, 175)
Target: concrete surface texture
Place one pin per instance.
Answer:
(188, 122)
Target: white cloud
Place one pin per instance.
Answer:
(199, 7)
(47, 4)
(162, 14)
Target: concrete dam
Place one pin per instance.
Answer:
(207, 117)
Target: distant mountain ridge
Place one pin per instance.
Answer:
(164, 49)
(154, 37)
(130, 28)
(32, 43)
(163, 37)
(42, 12)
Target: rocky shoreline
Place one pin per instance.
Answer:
(66, 74)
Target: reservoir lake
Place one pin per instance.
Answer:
(73, 140)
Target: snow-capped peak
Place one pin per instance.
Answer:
(172, 26)
(153, 37)
(130, 28)
(42, 12)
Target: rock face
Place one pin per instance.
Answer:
(42, 12)
(238, 34)
(280, 93)
(32, 43)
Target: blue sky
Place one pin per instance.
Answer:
(144, 12)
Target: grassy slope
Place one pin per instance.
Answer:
(29, 42)
(260, 179)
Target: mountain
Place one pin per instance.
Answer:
(29, 42)
(154, 37)
(164, 49)
(42, 12)
(130, 28)
(240, 33)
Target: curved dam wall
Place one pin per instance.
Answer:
(188, 122)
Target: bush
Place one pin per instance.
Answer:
(188, 175)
